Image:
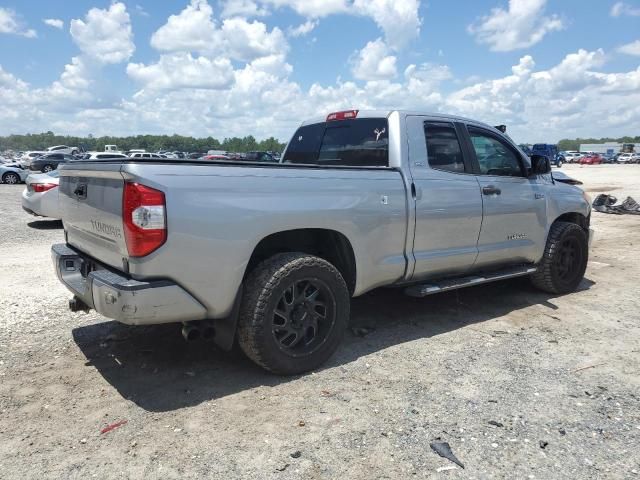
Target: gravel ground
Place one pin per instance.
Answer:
(519, 383)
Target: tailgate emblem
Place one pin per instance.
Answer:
(81, 190)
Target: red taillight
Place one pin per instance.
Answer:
(144, 219)
(42, 187)
(346, 115)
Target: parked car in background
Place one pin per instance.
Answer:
(146, 155)
(40, 198)
(216, 157)
(571, 157)
(50, 161)
(105, 156)
(265, 157)
(626, 158)
(13, 173)
(550, 151)
(64, 149)
(591, 159)
(27, 157)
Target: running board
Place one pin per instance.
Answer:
(455, 283)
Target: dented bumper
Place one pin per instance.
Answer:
(122, 298)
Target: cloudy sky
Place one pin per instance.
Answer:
(549, 69)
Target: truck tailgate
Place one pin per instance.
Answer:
(90, 200)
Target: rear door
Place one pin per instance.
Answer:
(446, 198)
(514, 205)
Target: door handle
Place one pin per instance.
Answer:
(491, 190)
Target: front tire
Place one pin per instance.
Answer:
(564, 261)
(293, 314)
(11, 178)
(47, 169)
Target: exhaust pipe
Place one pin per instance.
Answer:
(195, 330)
(190, 332)
(77, 305)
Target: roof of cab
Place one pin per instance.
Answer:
(403, 113)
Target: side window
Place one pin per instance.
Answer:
(495, 156)
(443, 147)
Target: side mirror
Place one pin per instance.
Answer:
(540, 165)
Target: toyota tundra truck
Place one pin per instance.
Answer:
(268, 255)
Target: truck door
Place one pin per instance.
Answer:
(514, 205)
(446, 196)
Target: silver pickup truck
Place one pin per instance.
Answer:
(268, 255)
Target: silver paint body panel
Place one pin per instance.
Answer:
(217, 214)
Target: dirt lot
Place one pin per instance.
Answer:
(519, 383)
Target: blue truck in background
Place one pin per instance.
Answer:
(550, 151)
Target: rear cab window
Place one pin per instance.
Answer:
(360, 142)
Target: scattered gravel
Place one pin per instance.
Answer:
(518, 383)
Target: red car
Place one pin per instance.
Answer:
(591, 159)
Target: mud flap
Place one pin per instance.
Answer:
(226, 327)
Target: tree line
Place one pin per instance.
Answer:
(569, 145)
(151, 143)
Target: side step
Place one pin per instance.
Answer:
(454, 283)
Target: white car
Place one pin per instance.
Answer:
(106, 156)
(572, 157)
(27, 157)
(627, 158)
(146, 155)
(13, 173)
(63, 149)
(40, 198)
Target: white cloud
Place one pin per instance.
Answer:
(398, 20)
(11, 23)
(141, 11)
(54, 22)
(522, 25)
(303, 29)
(193, 29)
(632, 48)
(312, 8)
(181, 70)
(247, 41)
(624, 9)
(105, 35)
(198, 53)
(242, 8)
(374, 62)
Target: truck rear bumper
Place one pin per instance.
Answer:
(122, 298)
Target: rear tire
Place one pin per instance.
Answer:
(293, 314)
(11, 178)
(564, 261)
(47, 169)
